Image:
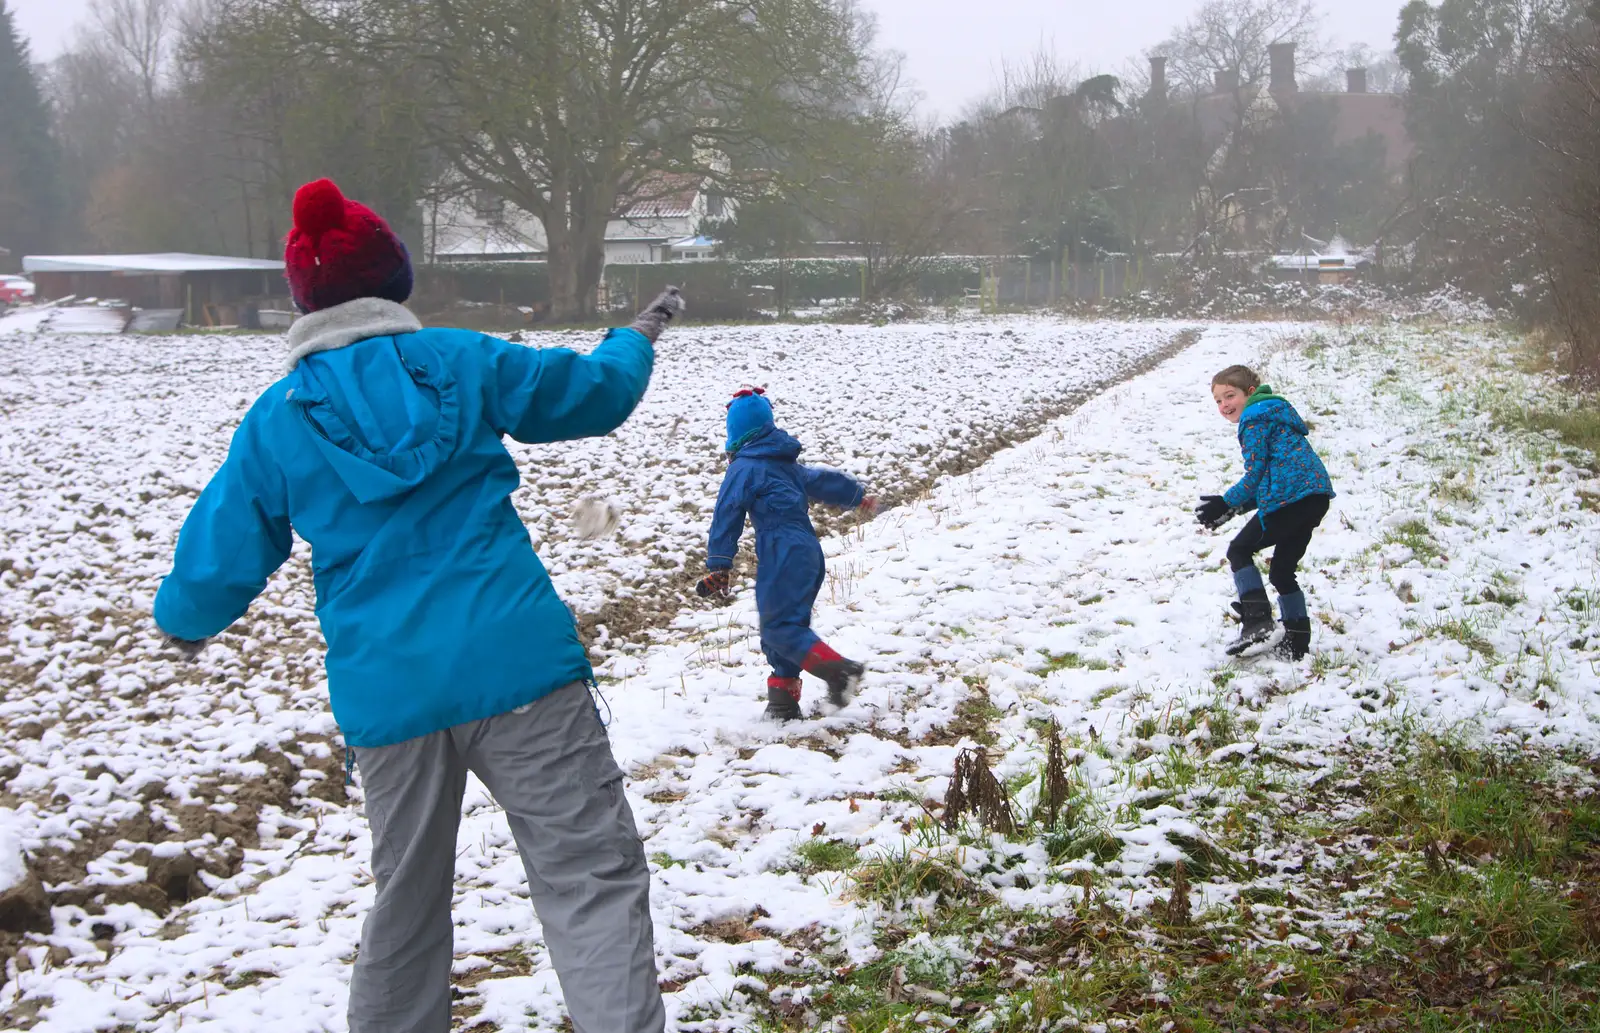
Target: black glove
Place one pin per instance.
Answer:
(1213, 512)
(713, 584)
(658, 313)
(190, 648)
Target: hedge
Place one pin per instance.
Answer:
(803, 280)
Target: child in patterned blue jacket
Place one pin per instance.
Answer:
(1288, 487)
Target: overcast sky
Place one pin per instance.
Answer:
(953, 48)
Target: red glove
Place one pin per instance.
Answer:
(713, 584)
(869, 506)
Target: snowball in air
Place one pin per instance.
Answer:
(594, 517)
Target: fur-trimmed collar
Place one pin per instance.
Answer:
(342, 325)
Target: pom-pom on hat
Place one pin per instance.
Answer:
(340, 250)
(748, 412)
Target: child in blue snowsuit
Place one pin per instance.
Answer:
(764, 481)
(449, 651)
(1288, 486)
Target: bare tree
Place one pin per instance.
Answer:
(576, 111)
(1563, 124)
(891, 201)
(1473, 65)
(1235, 37)
(1384, 72)
(137, 36)
(1030, 82)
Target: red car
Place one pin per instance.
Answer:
(14, 290)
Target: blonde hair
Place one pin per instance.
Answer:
(1242, 377)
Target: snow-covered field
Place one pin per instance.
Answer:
(110, 438)
(1064, 581)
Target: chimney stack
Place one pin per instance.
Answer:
(1227, 80)
(1356, 80)
(1281, 57)
(1158, 77)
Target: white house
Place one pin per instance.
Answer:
(662, 227)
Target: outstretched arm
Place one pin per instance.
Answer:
(236, 535)
(554, 394)
(832, 487)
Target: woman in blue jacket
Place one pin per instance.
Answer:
(1288, 487)
(448, 648)
(765, 481)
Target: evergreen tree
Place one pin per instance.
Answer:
(30, 160)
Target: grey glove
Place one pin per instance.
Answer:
(190, 648)
(658, 313)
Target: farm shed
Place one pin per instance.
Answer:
(172, 280)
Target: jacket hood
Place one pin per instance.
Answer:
(770, 443)
(1273, 409)
(342, 325)
(748, 414)
(383, 423)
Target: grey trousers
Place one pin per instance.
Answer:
(550, 766)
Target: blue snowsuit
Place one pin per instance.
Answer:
(1280, 466)
(385, 454)
(764, 481)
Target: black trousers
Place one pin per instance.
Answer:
(1288, 530)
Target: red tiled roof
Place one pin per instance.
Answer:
(665, 195)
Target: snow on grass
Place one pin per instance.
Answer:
(128, 766)
(1063, 586)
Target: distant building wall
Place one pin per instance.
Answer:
(163, 290)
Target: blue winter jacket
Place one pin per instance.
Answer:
(1280, 465)
(764, 481)
(385, 454)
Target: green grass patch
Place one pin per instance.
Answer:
(1454, 487)
(1499, 910)
(1054, 662)
(826, 855)
(1464, 630)
(1460, 879)
(1577, 425)
(910, 873)
(1416, 536)
(1455, 803)
(1096, 844)
(1583, 600)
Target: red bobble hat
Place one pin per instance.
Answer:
(340, 250)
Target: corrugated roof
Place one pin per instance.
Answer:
(165, 262)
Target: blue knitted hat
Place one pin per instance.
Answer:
(748, 413)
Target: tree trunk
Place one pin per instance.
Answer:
(567, 298)
(577, 259)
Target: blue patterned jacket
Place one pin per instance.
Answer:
(1280, 465)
